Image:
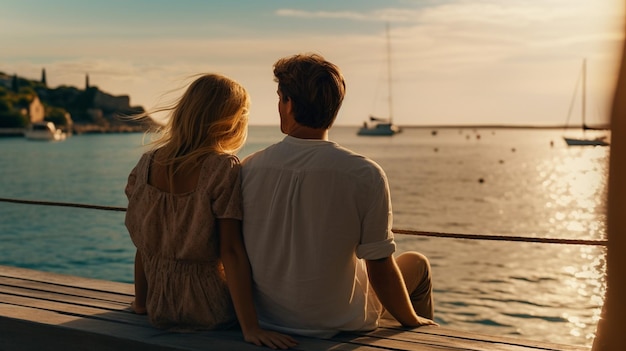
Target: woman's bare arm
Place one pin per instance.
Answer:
(239, 280)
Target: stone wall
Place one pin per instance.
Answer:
(108, 102)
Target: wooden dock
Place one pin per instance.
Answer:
(48, 311)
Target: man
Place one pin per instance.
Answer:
(317, 221)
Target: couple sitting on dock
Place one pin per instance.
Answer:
(295, 239)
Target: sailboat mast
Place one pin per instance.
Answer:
(584, 102)
(389, 74)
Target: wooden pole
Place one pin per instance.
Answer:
(610, 335)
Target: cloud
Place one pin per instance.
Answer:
(396, 15)
(322, 14)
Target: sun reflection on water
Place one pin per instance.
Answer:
(586, 281)
(548, 292)
(576, 183)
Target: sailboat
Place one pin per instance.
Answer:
(377, 126)
(584, 141)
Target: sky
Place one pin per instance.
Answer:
(453, 62)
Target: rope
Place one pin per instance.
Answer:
(504, 238)
(64, 204)
(396, 231)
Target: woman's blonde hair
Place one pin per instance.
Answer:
(210, 117)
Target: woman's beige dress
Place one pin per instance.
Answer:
(176, 235)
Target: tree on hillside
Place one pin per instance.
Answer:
(14, 84)
(59, 116)
(5, 106)
(9, 117)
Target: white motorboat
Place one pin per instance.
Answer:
(44, 131)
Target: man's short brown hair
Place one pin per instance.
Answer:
(315, 86)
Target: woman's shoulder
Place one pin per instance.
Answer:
(220, 166)
(146, 157)
(225, 160)
(143, 163)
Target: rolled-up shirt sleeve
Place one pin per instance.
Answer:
(376, 236)
(377, 250)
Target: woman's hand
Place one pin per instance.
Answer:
(138, 309)
(421, 321)
(271, 339)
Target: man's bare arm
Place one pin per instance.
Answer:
(387, 281)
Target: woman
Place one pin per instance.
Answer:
(184, 216)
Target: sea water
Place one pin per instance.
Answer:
(501, 182)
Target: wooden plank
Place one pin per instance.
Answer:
(77, 306)
(66, 289)
(508, 340)
(67, 280)
(471, 336)
(127, 317)
(391, 344)
(453, 343)
(74, 297)
(44, 310)
(58, 311)
(121, 316)
(24, 328)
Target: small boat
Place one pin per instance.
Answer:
(44, 131)
(599, 141)
(379, 126)
(382, 126)
(584, 140)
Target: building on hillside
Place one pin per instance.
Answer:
(33, 109)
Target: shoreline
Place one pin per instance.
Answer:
(80, 129)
